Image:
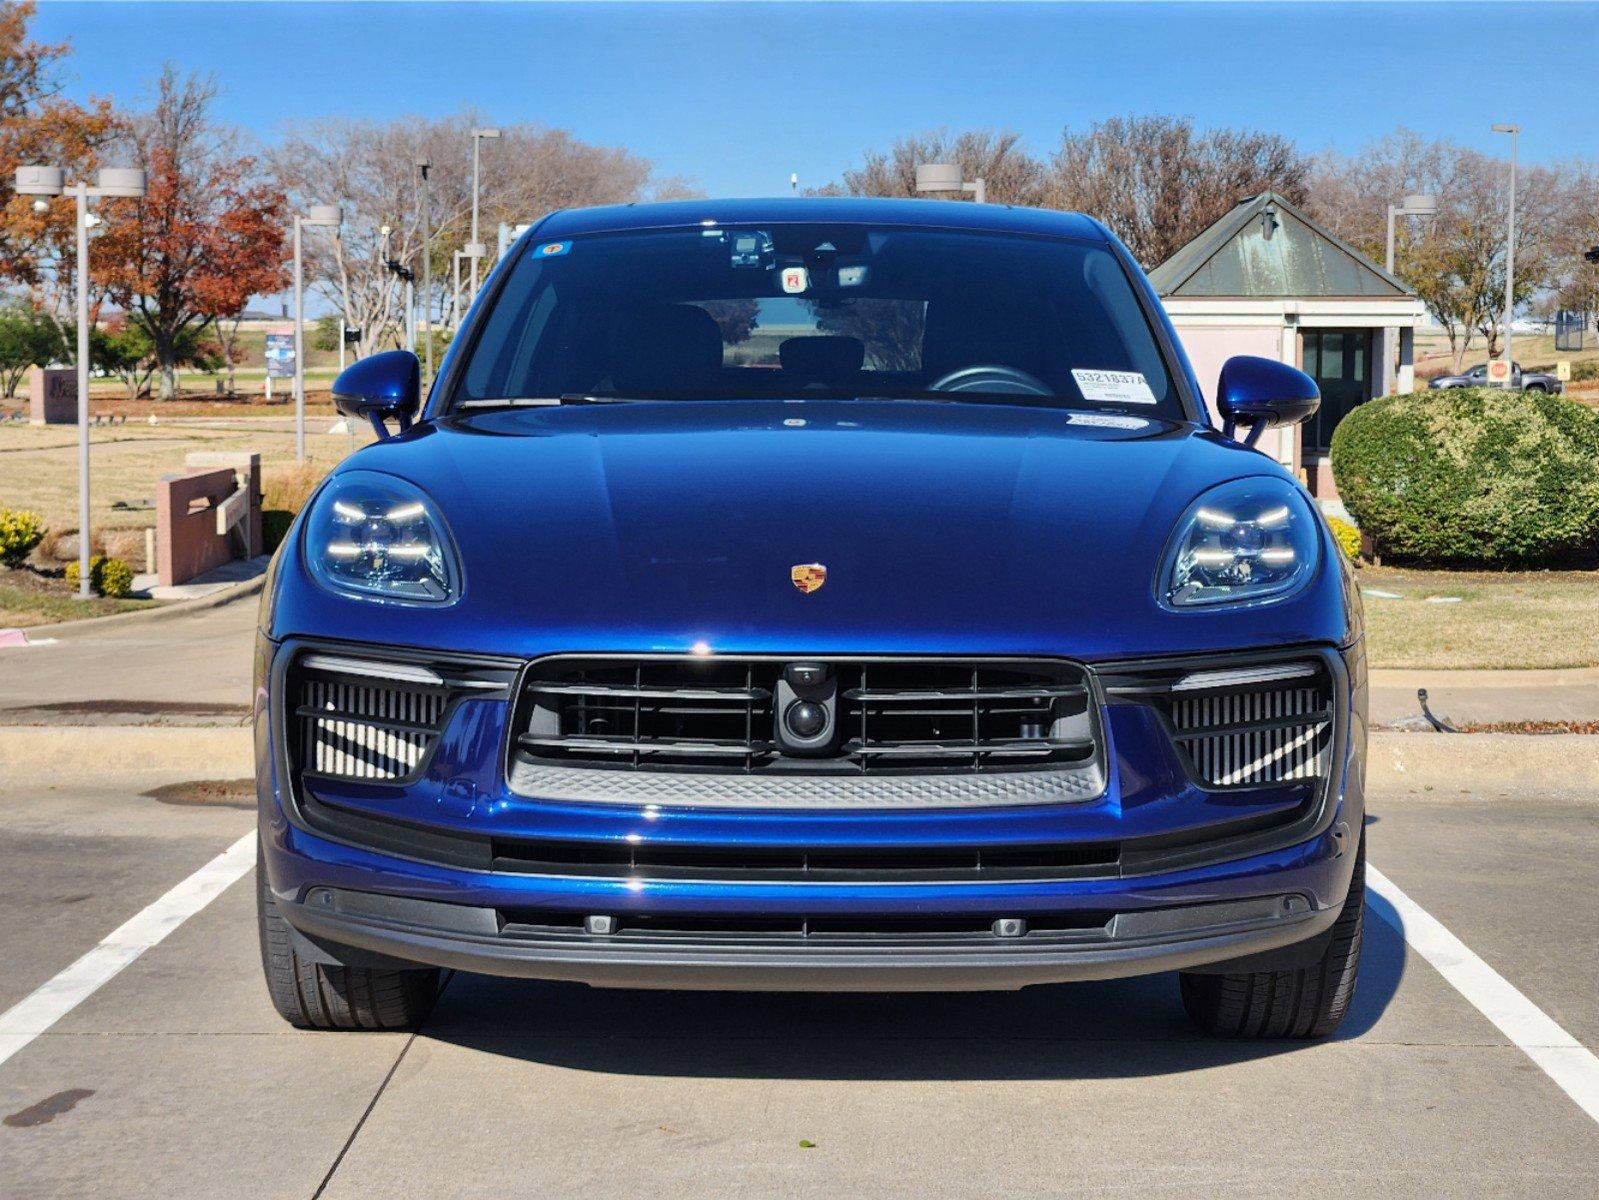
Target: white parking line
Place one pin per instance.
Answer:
(54, 999)
(1562, 1057)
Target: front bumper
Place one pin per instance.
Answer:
(1186, 895)
(468, 938)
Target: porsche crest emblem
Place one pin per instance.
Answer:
(808, 576)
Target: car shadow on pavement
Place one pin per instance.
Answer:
(1112, 1029)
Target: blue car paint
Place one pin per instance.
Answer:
(669, 526)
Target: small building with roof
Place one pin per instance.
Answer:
(1267, 280)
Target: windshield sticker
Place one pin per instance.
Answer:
(551, 249)
(1108, 421)
(796, 280)
(1114, 387)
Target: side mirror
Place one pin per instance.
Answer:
(1263, 394)
(379, 387)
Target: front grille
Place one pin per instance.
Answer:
(1250, 726)
(888, 717)
(354, 725)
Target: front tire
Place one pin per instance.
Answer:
(1308, 1002)
(312, 995)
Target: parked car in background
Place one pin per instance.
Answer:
(814, 594)
(1530, 381)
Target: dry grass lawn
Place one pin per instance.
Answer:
(39, 464)
(1512, 619)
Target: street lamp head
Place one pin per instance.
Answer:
(1507, 128)
(121, 181)
(486, 133)
(39, 181)
(938, 177)
(1420, 205)
(323, 214)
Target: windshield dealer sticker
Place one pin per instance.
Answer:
(1114, 387)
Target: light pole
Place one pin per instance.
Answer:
(947, 177)
(475, 248)
(1417, 205)
(1510, 255)
(318, 215)
(110, 181)
(423, 165)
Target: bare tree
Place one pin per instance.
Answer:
(1011, 174)
(369, 167)
(1158, 183)
(1456, 260)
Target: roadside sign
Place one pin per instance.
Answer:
(1563, 370)
(1499, 371)
(280, 355)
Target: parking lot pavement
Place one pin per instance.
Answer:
(176, 1079)
(187, 670)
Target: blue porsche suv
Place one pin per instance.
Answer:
(813, 594)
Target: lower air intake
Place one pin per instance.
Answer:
(358, 727)
(1239, 733)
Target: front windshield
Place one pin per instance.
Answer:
(827, 311)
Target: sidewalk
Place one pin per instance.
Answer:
(1486, 697)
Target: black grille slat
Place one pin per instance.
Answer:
(902, 716)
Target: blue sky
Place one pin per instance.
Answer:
(734, 97)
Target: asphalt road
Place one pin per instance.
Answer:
(174, 1078)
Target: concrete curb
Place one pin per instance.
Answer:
(164, 612)
(79, 753)
(1495, 764)
(1522, 766)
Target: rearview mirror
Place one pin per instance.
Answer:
(379, 387)
(1263, 394)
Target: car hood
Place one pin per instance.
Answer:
(942, 528)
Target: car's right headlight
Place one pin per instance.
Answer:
(377, 537)
(1244, 542)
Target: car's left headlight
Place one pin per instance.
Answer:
(378, 537)
(1243, 542)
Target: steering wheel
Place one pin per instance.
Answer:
(991, 377)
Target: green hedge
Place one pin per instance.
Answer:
(1473, 476)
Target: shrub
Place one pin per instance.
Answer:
(116, 578)
(1472, 476)
(107, 576)
(1587, 369)
(1347, 537)
(96, 566)
(20, 532)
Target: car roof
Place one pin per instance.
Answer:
(942, 214)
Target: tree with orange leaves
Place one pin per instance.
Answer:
(38, 125)
(207, 236)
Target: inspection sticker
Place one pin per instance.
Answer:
(1114, 387)
(551, 249)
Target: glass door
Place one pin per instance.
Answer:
(1339, 360)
